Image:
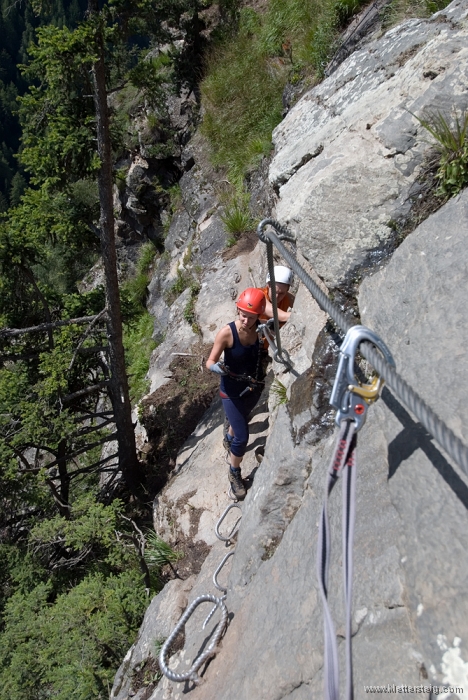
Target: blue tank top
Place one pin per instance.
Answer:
(241, 359)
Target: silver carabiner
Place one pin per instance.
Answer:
(349, 396)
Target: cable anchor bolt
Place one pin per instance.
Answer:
(349, 396)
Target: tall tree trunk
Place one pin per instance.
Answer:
(128, 461)
(63, 503)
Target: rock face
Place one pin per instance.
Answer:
(410, 609)
(349, 151)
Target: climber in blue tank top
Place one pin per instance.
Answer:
(239, 342)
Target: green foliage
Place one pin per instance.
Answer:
(121, 179)
(451, 143)
(175, 194)
(146, 258)
(18, 186)
(139, 324)
(150, 75)
(242, 98)
(91, 524)
(134, 290)
(246, 75)
(69, 649)
(45, 247)
(139, 345)
(398, 10)
(180, 284)
(158, 553)
(237, 219)
(189, 311)
(279, 391)
(71, 590)
(18, 25)
(58, 116)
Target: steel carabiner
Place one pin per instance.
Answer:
(349, 396)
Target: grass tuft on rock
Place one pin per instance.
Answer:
(450, 135)
(246, 75)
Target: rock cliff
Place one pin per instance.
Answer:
(347, 162)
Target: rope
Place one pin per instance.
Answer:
(343, 463)
(446, 438)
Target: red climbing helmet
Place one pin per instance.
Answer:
(252, 300)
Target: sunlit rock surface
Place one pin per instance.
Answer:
(346, 157)
(348, 152)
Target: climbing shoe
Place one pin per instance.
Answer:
(227, 440)
(237, 485)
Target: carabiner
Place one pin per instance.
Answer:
(349, 396)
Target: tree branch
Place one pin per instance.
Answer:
(103, 440)
(84, 392)
(95, 428)
(93, 467)
(56, 496)
(14, 332)
(85, 335)
(90, 415)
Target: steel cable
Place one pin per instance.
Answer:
(446, 438)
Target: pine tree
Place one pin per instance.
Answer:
(18, 186)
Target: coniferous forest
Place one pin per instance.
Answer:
(77, 559)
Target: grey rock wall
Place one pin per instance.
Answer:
(348, 152)
(410, 616)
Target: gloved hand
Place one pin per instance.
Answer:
(217, 368)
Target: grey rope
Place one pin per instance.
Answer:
(343, 463)
(446, 438)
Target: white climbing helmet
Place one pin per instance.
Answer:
(282, 274)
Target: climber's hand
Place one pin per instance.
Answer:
(218, 368)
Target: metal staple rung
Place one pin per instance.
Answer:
(212, 611)
(215, 575)
(236, 525)
(191, 674)
(218, 586)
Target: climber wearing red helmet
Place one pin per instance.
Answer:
(239, 342)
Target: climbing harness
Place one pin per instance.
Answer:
(426, 416)
(253, 383)
(211, 649)
(351, 399)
